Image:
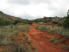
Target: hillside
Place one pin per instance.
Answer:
(8, 17)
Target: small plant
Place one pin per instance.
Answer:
(26, 37)
(37, 27)
(16, 33)
(52, 38)
(43, 28)
(56, 41)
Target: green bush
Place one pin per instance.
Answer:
(5, 22)
(56, 41)
(37, 27)
(52, 39)
(42, 28)
(26, 37)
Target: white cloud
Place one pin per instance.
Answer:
(35, 8)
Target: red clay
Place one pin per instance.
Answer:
(41, 41)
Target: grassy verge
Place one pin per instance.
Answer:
(54, 29)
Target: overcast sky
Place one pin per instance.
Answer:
(32, 9)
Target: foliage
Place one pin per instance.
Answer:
(24, 21)
(52, 38)
(44, 20)
(56, 41)
(5, 22)
(1, 12)
(26, 37)
(42, 28)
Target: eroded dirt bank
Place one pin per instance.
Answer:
(42, 42)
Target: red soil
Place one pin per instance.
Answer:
(41, 41)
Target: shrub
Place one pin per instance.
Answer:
(37, 27)
(26, 37)
(56, 41)
(52, 38)
(17, 48)
(16, 33)
(43, 28)
(5, 22)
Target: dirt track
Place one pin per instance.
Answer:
(41, 42)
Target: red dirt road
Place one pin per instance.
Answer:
(42, 42)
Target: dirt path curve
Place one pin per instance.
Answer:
(40, 41)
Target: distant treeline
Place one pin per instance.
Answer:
(61, 21)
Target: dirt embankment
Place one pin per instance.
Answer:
(42, 42)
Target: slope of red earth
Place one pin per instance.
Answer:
(41, 41)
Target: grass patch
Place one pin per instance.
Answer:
(56, 41)
(54, 29)
(42, 28)
(52, 39)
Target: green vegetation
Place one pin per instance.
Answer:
(44, 20)
(4, 22)
(56, 41)
(10, 25)
(42, 28)
(54, 29)
(7, 37)
(52, 39)
(24, 21)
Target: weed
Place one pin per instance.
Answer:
(56, 41)
(52, 39)
(43, 28)
(26, 37)
(16, 33)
